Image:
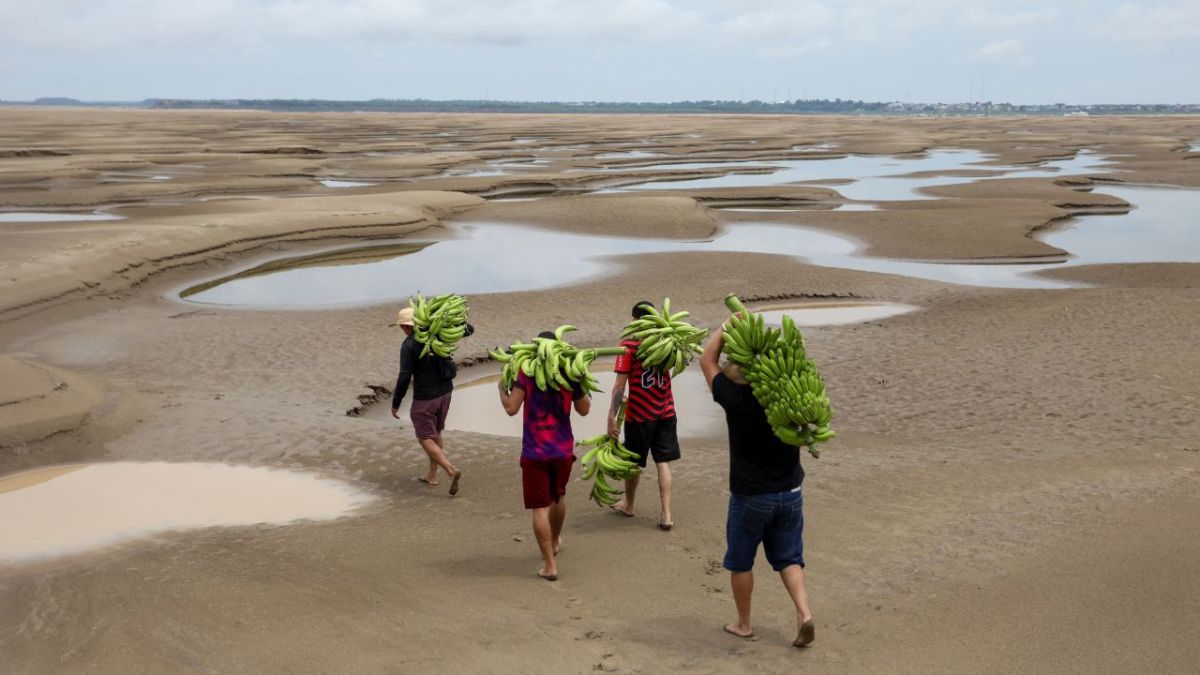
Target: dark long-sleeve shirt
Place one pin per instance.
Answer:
(431, 377)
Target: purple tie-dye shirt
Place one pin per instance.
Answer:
(547, 430)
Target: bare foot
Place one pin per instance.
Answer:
(558, 546)
(620, 508)
(454, 483)
(806, 634)
(738, 630)
(547, 575)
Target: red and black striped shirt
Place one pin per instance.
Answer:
(650, 396)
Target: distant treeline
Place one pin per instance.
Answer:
(809, 106)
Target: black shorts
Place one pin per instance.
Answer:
(657, 438)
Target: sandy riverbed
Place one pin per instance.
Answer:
(1013, 487)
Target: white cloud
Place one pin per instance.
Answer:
(989, 19)
(781, 28)
(218, 23)
(1008, 52)
(1151, 24)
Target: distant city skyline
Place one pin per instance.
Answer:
(1018, 51)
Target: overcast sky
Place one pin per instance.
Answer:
(1074, 51)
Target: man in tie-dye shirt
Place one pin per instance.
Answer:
(547, 454)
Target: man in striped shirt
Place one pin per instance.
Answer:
(649, 422)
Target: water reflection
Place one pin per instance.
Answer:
(496, 258)
(876, 178)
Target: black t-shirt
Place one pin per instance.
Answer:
(432, 376)
(759, 463)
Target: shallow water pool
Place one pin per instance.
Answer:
(66, 510)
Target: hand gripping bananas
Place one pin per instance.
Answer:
(551, 362)
(786, 383)
(439, 323)
(666, 340)
(607, 459)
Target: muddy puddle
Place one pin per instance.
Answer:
(41, 217)
(832, 313)
(66, 510)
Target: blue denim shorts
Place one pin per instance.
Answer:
(776, 520)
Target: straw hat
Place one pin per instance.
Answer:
(403, 318)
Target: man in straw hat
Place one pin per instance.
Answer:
(765, 504)
(433, 382)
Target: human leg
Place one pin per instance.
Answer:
(428, 419)
(664, 494)
(664, 449)
(742, 585)
(743, 533)
(437, 457)
(543, 533)
(625, 506)
(558, 515)
(637, 441)
(794, 581)
(783, 543)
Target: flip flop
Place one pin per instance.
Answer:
(427, 482)
(808, 633)
(665, 526)
(547, 577)
(623, 512)
(738, 635)
(454, 483)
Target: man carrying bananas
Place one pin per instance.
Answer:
(547, 453)
(765, 504)
(650, 427)
(433, 381)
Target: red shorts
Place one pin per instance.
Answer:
(429, 416)
(544, 481)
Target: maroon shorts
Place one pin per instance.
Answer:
(544, 481)
(429, 416)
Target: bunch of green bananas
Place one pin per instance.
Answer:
(666, 340)
(786, 383)
(607, 459)
(551, 362)
(439, 322)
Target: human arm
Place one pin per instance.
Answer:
(614, 408)
(511, 400)
(710, 358)
(408, 359)
(582, 401)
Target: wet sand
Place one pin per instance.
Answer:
(1012, 487)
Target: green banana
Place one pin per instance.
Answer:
(665, 340)
(439, 323)
(783, 379)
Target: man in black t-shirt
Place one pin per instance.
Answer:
(765, 503)
(432, 378)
